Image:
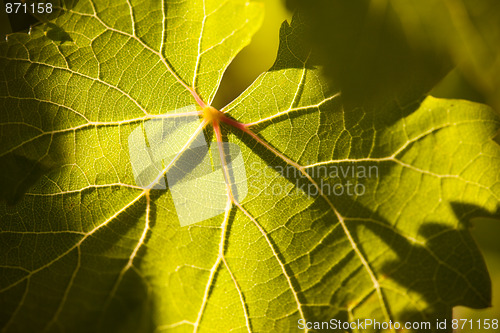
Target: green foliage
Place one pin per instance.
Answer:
(83, 248)
(374, 47)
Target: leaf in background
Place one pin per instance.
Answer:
(467, 30)
(366, 53)
(87, 249)
(407, 42)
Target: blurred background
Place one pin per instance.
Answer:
(387, 48)
(257, 57)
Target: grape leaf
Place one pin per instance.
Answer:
(88, 245)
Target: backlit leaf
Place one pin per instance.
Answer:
(89, 242)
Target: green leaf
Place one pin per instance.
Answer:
(86, 245)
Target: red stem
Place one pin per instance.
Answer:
(232, 122)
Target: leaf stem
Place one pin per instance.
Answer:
(232, 122)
